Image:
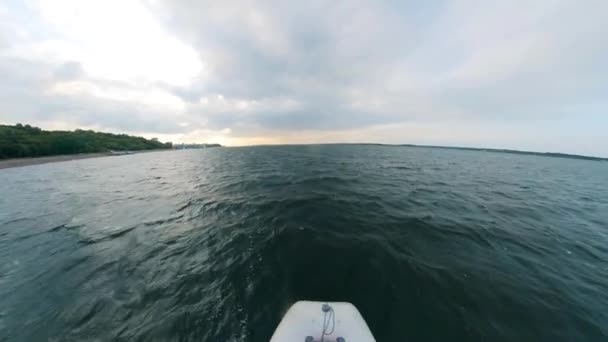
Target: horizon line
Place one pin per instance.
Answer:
(490, 149)
(487, 149)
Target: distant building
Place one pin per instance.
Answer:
(193, 146)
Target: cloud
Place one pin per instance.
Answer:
(69, 71)
(254, 71)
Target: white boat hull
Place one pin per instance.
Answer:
(306, 319)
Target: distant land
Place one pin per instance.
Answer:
(480, 149)
(544, 154)
(22, 145)
(23, 141)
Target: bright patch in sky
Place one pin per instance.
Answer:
(121, 40)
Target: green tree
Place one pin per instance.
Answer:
(28, 141)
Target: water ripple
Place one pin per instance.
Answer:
(214, 245)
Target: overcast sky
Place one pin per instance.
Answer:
(529, 75)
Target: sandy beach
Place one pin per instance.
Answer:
(17, 162)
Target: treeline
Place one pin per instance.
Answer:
(26, 141)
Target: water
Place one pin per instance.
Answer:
(215, 244)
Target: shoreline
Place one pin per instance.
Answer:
(19, 162)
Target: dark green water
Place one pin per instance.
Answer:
(214, 245)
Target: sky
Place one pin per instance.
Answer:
(527, 75)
